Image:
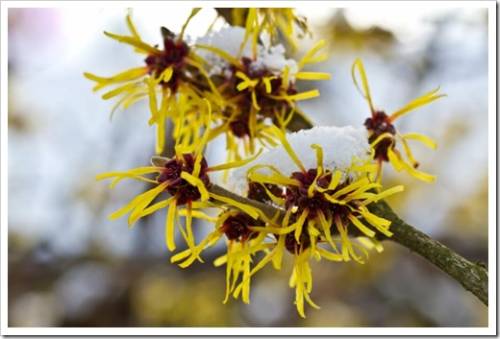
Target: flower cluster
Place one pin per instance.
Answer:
(307, 193)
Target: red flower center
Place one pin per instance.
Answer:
(269, 107)
(236, 227)
(377, 125)
(294, 246)
(183, 190)
(173, 54)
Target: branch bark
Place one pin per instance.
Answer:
(473, 277)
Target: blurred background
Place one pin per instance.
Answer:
(70, 266)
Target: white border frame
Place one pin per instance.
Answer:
(492, 254)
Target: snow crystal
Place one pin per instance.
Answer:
(340, 146)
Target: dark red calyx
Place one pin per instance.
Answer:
(236, 227)
(268, 106)
(294, 246)
(173, 54)
(177, 186)
(298, 195)
(377, 125)
(239, 127)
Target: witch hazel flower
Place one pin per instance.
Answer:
(383, 136)
(275, 22)
(184, 182)
(321, 179)
(171, 77)
(257, 83)
(243, 243)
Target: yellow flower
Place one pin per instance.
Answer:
(383, 134)
(322, 207)
(242, 244)
(185, 178)
(171, 72)
(256, 95)
(273, 21)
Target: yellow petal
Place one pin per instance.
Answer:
(384, 194)
(351, 187)
(124, 88)
(129, 173)
(194, 11)
(319, 157)
(299, 224)
(381, 137)
(275, 179)
(198, 183)
(251, 211)
(170, 226)
(326, 229)
(133, 41)
(159, 205)
(288, 148)
(395, 159)
(300, 96)
(365, 230)
(336, 177)
(221, 53)
(312, 76)
(329, 255)
(381, 224)
(423, 100)
(365, 90)
(419, 174)
(422, 138)
(128, 75)
(274, 230)
(131, 27)
(309, 56)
